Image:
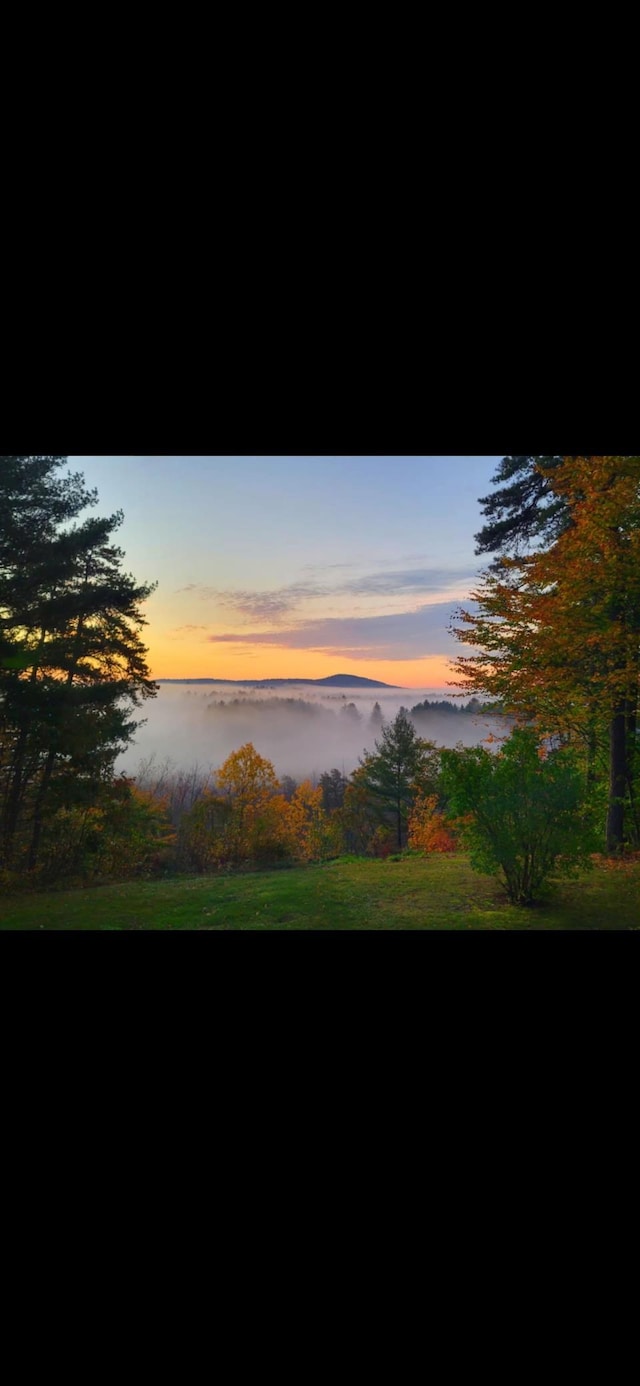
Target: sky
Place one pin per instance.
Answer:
(298, 567)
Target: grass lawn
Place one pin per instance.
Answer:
(437, 892)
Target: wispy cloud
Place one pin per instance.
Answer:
(276, 606)
(406, 635)
(326, 567)
(407, 580)
(271, 607)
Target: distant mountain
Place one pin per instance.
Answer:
(350, 681)
(333, 681)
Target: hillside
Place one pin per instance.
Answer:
(436, 892)
(351, 681)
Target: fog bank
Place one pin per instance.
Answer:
(303, 731)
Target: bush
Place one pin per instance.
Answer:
(383, 842)
(522, 813)
(203, 833)
(125, 833)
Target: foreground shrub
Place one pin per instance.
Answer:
(125, 834)
(203, 833)
(521, 814)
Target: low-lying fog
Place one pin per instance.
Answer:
(302, 730)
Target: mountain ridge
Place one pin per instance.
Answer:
(331, 681)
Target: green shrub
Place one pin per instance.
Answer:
(125, 834)
(522, 813)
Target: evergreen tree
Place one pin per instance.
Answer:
(350, 712)
(403, 765)
(288, 787)
(333, 786)
(524, 510)
(376, 719)
(73, 661)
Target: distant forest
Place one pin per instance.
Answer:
(474, 706)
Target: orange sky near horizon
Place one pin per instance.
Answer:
(298, 567)
(169, 659)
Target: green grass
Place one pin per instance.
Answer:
(438, 892)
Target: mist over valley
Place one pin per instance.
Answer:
(304, 729)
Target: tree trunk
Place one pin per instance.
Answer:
(632, 753)
(15, 791)
(16, 784)
(591, 758)
(617, 780)
(37, 817)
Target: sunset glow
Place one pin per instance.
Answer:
(298, 567)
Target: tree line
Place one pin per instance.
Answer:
(555, 641)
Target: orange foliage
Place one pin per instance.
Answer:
(383, 842)
(314, 834)
(429, 830)
(249, 820)
(558, 631)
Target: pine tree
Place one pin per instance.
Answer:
(333, 786)
(376, 719)
(403, 765)
(524, 511)
(73, 661)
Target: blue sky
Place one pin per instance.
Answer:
(297, 566)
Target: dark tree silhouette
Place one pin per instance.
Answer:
(333, 786)
(523, 511)
(73, 661)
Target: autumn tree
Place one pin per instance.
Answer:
(429, 830)
(557, 632)
(315, 834)
(248, 783)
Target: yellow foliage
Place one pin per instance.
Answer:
(249, 820)
(249, 783)
(310, 827)
(429, 830)
(247, 777)
(558, 630)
